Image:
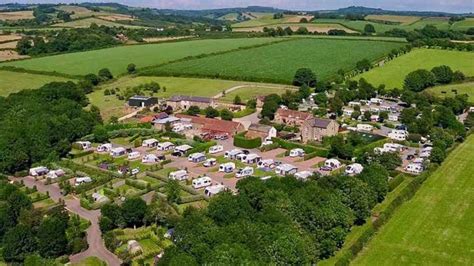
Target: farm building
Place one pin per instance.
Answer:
(142, 101)
(182, 102)
(261, 131)
(318, 128)
(213, 126)
(291, 117)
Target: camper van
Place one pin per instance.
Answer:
(179, 175)
(214, 190)
(165, 146)
(286, 169)
(106, 147)
(85, 145)
(303, 175)
(232, 154)
(244, 172)
(197, 157)
(414, 168)
(297, 152)
(354, 169)
(39, 171)
(133, 155)
(227, 167)
(117, 152)
(82, 180)
(267, 163)
(331, 164)
(201, 182)
(150, 143)
(210, 162)
(216, 149)
(364, 128)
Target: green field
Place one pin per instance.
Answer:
(312, 27)
(85, 23)
(464, 24)
(250, 92)
(463, 88)
(90, 261)
(117, 59)
(11, 82)
(393, 73)
(278, 63)
(436, 227)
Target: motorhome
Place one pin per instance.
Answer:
(267, 163)
(232, 154)
(214, 190)
(354, 169)
(133, 155)
(197, 157)
(117, 152)
(332, 163)
(39, 171)
(376, 101)
(210, 162)
(183, 148)
(165, 146)
(179, 175)
(414, 168)
(55, 174)
(216, 149)
(82, 180)
(365, 128)
(303, 175)
(418, 160)
(106, 147)
(244, 172)
(201, 182)
(150, 158)
(227, 167)
(286, 169)
(297, 152)
(399, 135)
(393, 147)
(85, 145)
(150, 143)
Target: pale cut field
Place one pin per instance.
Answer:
(87, 22)
(394, 18)
(297, 19)
(7, 55)
(16, 15)
(9, 37)
(117, 17)
(8, 45)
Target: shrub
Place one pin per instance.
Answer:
(241, 141)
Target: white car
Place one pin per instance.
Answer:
(135, 171)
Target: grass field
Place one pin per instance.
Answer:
(85, 23)
(463, 88)
(312, 27)
(250, 92)
(117, 58)
(286, 58)
(464, 24)
(90, 261)
(393, 73)
(435, 227)
(11, 82)
(393, 18)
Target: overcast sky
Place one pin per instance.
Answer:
(459, 6)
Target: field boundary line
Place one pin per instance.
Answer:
(38, 72)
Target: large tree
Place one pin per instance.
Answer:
(304, 76)
(52, 241)
(419, 80)
(18, 243)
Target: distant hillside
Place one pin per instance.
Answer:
(216, 13)
(378, 11)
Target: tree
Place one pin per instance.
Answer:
(131, 68)
(18, 243)
(173, 191)
(437, 155)
(304, 91)
(376, 176)
(24, 45)
(237, 100)
(92, 78)
(100, 134)
(105, 74)
(193, 110)
(320, 98)
(363, 65)
(133, 211)
(419, 80)
(443, 74)
(304, 76)
(211, 112)
(226, 115)
(16, 202)
(336, 105)
(369, 29)
(52, 241)
(458, 76)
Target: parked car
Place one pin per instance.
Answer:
(135, 171)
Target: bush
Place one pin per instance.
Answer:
(241, 141)
(395, 182)
(269, 147)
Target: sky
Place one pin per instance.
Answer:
(455, 6)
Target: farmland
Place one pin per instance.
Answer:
(11, 82)
(463, 88)
(287, 57)
(464, 24)
(393, 73)
(117, 59)
(85, 23)
(312, 27)
(16, 15)
(393, 18)
(251, 92)
(435, 227)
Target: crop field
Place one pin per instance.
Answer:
(85, 23)
(117, 58)
(16, 15)
(312, 27)
(393, 73)
(464, 24)
(9, 37)
(393, 18)
(286, 58)
(8, 45)
(447, 90)
(435, 227)
(265, 19)
(11, 82)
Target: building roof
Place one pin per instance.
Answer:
(212, 124)
(260, 128)
(293, 114)
(178, 98)
(320, 123)
(141, 98)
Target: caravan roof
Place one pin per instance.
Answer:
(286, 167)
(303, 175)
(183, 148)
(212, 190)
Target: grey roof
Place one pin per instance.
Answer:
(178, 98)
(140, 97)
(260, 128)
(321, 123)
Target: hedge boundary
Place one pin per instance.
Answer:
(243, 142)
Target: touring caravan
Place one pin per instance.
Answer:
(82, 180)
(182, 148)
(303, 175)
(117, 152)
(244, 172)
(179, 175)
(150, 158)
(214, 190)
(150, 143)
(165, 146)
(364, 128)
(332, 164)
(197, 157)
(267, 163)
(354, 169)
(297, 152)
(133, 155)
(210, 162)
(227, 167)
(39, 171)
(414, 168)
(85, 145)
(252, 158)
(286, 169)
(55, 174)
(201, 182)
(216, 149)
(232, 154)
(106, 147)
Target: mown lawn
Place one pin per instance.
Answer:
(278, 62)
(90, 261)
(394, 72)
(463, 88)
(11, 82)
(248, 93)
(117, 58)
(436, 227)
